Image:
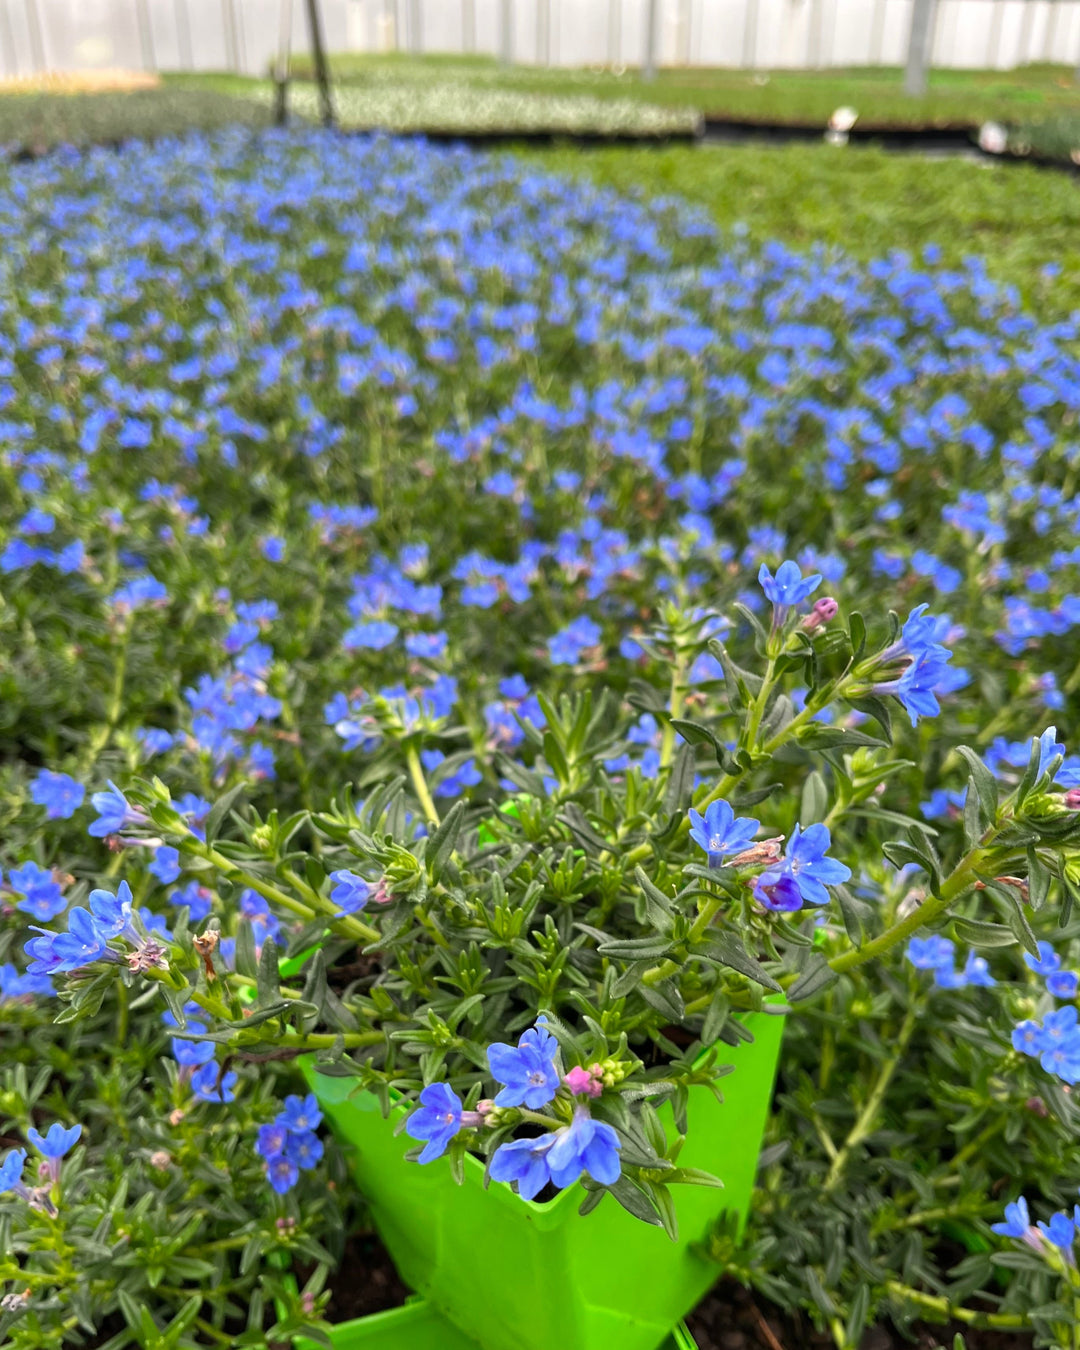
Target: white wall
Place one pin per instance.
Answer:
(242, 34)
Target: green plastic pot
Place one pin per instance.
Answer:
(520, 1275)
(417, 1326)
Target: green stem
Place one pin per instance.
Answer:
(706, 914)
(982, 1320)
(535, 1118)
(348, 926)
(960, 880)
(675, 701)
(121, 1015)
(420, 787)
(867, 1117)
(757, 711)
(100, 738)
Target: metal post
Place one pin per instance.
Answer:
(506, 33)
(183, 33)
(281, 72)
(918, 57)
(318, 52)
(36, 33)
(648, 70)
(241, 44)
(750, 27)
(468, 25)
(614, 32)
(416, 28)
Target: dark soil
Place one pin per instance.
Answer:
(730, 1317)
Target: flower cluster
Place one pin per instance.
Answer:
(288, 1144)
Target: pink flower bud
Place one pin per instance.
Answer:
(824, 609)
(581, 1082)
(1072, 799)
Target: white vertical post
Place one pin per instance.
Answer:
(648, 69)
(682, 30)
(468, 25)
(614, 32)
(416, 20)
(919, 40)
(877, 33)
(146, 36)
(183, 34)
(750, 27)
(37, 35)
(543, 32)
(1027, 18)
(8, 39)
(506, 32)
(284, 42)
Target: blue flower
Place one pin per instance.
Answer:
(1048, 960)
(112, 913)
(930, 953)
(350, 891)
(372, 636)
(1060, 1230)
(191, 1054)
(56, 1141)
(271, 1139)
(789, 586)
(527, 1070)
(282, 1173)
(524, 1161)
(304, 1150)
(113, 812)
(586, 1145)
(915, 688)
(1063, 983)
(166, 864)
(805, 868)
(1049, 749)
(82, 944)
(301, 1114)
(976, 972)
(720, 832)
(206, 1085)
(1017, 1221)
(42, 896)
(437, 1120)
(59, 793)
(1028, 1038)
(11, 1170)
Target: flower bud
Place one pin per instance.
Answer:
(824, 609)
(1072, 799)
(160, 1159)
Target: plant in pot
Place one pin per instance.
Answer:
(547, 992)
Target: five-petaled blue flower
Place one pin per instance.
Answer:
(930, 953)
(56, 1141)
(527, 1069)
(282, 1173)
(437, 1120)
(1017, 1221)
(524, 1161)
(800, 877)
(1048, 960)
(1060, 1230)
(350, 891)
(789, 586)
(586, 1145)
(113, 812)
(11, 1170)
(301, 1114)
(720, 832)
(58, 793)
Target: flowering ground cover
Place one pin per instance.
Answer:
(489, 632)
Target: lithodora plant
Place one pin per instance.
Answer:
(539, 972)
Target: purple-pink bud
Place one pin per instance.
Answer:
(1072, 799)
(824, 609)
(582, 1082)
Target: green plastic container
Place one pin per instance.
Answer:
(519, 1275)
(417, 1326)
